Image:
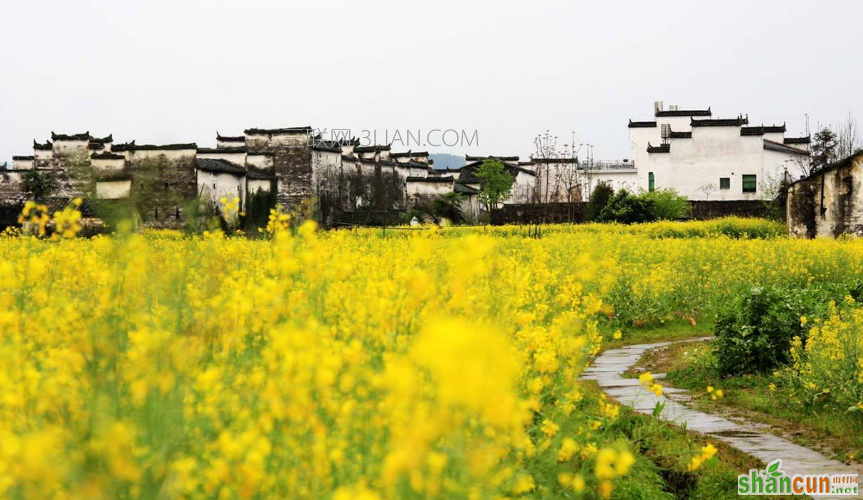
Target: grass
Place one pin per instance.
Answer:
(664, 451)
(674, 330)
(831, 431)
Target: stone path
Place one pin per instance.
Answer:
(607, 371)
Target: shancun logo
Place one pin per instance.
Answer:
(774, 481)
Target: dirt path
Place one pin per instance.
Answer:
(607, 370)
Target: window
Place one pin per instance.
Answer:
(749, 184)
(724, 183)
(651, 181)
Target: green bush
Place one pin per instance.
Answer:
(627, 208)
(668, 204)
(754, 333)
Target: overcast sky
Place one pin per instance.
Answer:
(179, 70)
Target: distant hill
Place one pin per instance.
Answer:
(443, 160)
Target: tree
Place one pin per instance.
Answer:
(707, 190)
(848, 139)
(39, 184)
(626, 208)
(598, 200)
(448, 206)
(823, 150)
(495, 183)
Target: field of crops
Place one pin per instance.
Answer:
(439, 363)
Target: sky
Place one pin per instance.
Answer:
(180, 70)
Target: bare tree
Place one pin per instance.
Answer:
(557, 176)
(848, 140)
(707, 190)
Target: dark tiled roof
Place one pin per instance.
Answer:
(278, 131)
(131, 146)
(633, 124)
(260, 153)
(22, 158)
(762, 129)
(95, 146)
(679, 135)
(224, 138)
(104, 140)
(409, 154)
(126, 146)
(685, 112)
(837, 164)
(348, 158)
(797, 140)
(720, 122)
(782, 148)
(434, 178)
(255, 174)
(662, 148)
(219, 166)
(555, 160)
(107, 155)
(464, 189)
(43, 147)
(71, 137)
(231, 150)
(371, 149)
(482, 158)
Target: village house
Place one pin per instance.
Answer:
(828, 202)
(704, 157)
(338, 177)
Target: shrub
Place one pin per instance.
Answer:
(668, 204)
(599, 198)
(626, 208)
(754, 333)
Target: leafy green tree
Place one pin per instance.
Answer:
(823, 149)
(495, 183)
(39, 184)
(598, 200)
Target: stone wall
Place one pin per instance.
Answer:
(162, 188)
(539, 213)
(705, 210)
(556, 213)
(828, 203)
(293, 168)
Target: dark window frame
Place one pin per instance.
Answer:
(750, 183)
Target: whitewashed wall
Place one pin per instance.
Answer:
(260, 161)
(215, 185)
(112, 190)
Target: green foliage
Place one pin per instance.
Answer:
(448, 206)
(626, 208)
(495, 183)
(599, 198)
(823, 149)
(754, 332)
(39, 184)
(668, 204)
(445, 206)
(258, 206)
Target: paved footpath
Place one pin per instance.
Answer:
(607, 371)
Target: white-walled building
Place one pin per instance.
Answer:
(703, 157)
